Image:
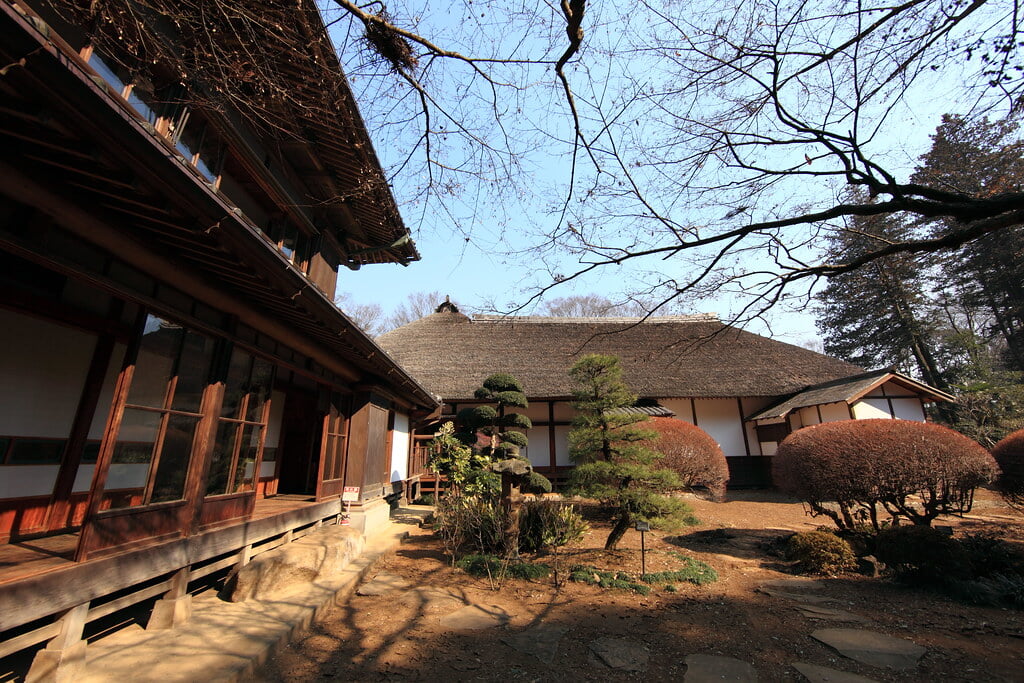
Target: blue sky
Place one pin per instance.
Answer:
(476, 248)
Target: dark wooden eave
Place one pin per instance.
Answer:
(72, 148)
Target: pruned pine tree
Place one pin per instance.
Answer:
(879, 315)
(612, 463)
(986, 159)
(506, 428)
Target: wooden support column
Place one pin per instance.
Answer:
(63, 658)
(175, 607)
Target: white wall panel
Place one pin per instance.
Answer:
(808, 416)
(720, 417)
(24, 481)
(562, 445)
(400, 448)
(871, 408)
(908, 409)
(106, 400)
(538, 451)
(833, 412)
(680, 406)
(277, 399)
(42, 370)
(564, 412)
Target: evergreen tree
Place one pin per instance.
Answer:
(612, 463)
(496, 421)
(983, 159)
(879, 315)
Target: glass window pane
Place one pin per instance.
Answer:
(174, 458)
(161, 341)
(4, 443)
(339, 458)
(36, 452)
(90, 452)
(220, 464)
(259, 389)
(136, 437)
(237, 384)
(251, 435)
(329, 457)
(193, 372)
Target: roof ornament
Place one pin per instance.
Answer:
(447, 306)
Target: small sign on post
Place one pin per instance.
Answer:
(643, 527)
(349, 495)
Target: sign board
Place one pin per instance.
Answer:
(350, 494)
(643, 526)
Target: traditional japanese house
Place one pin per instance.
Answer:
(179, 389)
(745, 390)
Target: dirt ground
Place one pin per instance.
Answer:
(400, 637)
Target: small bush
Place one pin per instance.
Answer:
(469, 525)
(425, 499)
(495, 567)
(695, 572)
(820, 552)
(483, 483)
(990, 555)
(544, 525)
(852, 470)
(923, 554)
(597, 577)
(1009, 454)
(537, 484)
(1002, 590)
(691, 453)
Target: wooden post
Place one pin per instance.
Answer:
(63, 658)
(175, 607)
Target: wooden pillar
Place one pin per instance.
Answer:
(63, 658)
(175, 607)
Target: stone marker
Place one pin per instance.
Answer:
(874, 649)
(619, 654)
(823, 674)
(707, 668)
(541, 642)
(475, 618)
(818, 612)
(382, 584)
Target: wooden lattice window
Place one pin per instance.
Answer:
(336, 425)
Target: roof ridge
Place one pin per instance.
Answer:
(654, 319)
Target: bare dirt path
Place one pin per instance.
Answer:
(549, 633)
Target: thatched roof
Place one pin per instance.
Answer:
(847, 390)
(663, 357)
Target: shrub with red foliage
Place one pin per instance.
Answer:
(1009, 453)
(849, 470)
(691, 453)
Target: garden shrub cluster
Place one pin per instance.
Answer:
(495, 567)
(694, 571)
(692, 454)
(821, 552)
(1009, 454)
(546, 524)
(597, 577)
(854, 470)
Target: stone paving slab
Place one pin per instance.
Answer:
(871, 648)
(541, 642)
(708, 668)
(382, 584)
(475, 618)
(620, 654)
(822, 674)
(829, 614)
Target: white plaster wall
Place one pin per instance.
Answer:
(267, 469)
(680, 406)
(564, 412)
(908, 409)
(24, 481)
(833, 412)
(274, 420)
(400, 448)
(720, 417)
(750, 406)
(808, 416)
(538, 451)
(42, 369)
(871, 408)
(536, 411)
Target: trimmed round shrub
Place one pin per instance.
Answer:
(544, 525)
(537, 483)
(853, 470)
(691, 453)
(1009, 454)
(820, 552)
(922, 554)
